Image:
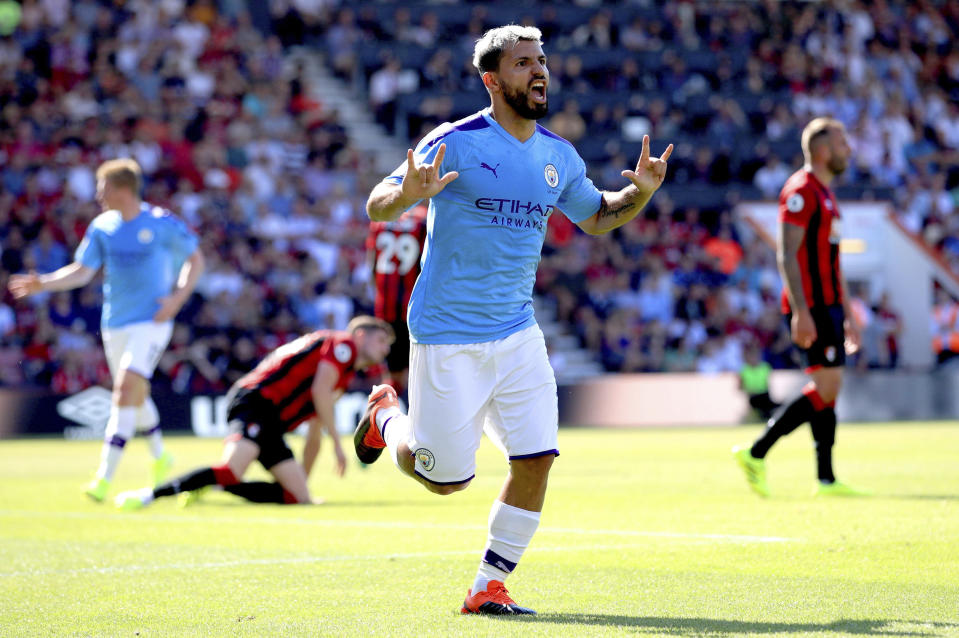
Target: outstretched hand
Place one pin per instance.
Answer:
(650, 171)
(24, 285)
(424, 181)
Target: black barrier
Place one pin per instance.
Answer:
(25, 412)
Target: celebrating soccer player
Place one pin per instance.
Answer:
(478, 359)
(299, 381)
(815, 304)
(150, 266)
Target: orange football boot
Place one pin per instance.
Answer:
(494, 601)
(367, 440)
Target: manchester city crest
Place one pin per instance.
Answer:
(552, 175)
(425, 457)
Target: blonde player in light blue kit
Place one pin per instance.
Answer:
(478, 359)
(150, 266)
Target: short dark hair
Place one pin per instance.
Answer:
(367, 323)
(489, 49)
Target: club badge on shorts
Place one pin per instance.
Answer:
(426, 459)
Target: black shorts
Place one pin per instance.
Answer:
(399, 357)
(829, 348)
(254, 418)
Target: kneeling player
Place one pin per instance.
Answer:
(296, 382)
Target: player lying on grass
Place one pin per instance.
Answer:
(298, 381)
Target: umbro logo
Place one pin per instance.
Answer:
(491, 169)
(90, 409)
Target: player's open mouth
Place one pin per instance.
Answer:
(538, 91)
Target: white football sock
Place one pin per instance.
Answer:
(396, 432)
(148, 420)
(510, 531)
(109, 458)
(382, 416)
(156, 443)
(120, 428)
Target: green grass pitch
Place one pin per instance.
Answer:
(645, 533)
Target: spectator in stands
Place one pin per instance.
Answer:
(770, 178)
(754, 382)
(725, 250)
(47, 253)
(890, 327)
(384, 89)
(8, 321)
(568, 123)
(869, 328)
(12, 252)
(945, 326)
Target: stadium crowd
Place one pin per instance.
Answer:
(210, 98)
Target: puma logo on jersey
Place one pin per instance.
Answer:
(491, 169)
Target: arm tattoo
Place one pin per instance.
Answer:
(615, 210)
(627, 201)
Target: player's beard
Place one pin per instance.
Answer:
(837, 165)
(519, 101)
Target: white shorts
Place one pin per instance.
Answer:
(136, 347)
(505, 387)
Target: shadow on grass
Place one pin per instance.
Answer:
(867, 497)
(700, 626)
(239, 502)
(922, 497)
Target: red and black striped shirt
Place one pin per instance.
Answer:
(806, 202)
(285, 376)
(396, 248)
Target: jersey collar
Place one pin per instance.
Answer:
(487, 114)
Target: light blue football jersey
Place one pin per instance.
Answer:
(141, 259)
(485, 230)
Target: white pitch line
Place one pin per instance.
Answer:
(734, 538)
(277, 520)
(299, 560)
